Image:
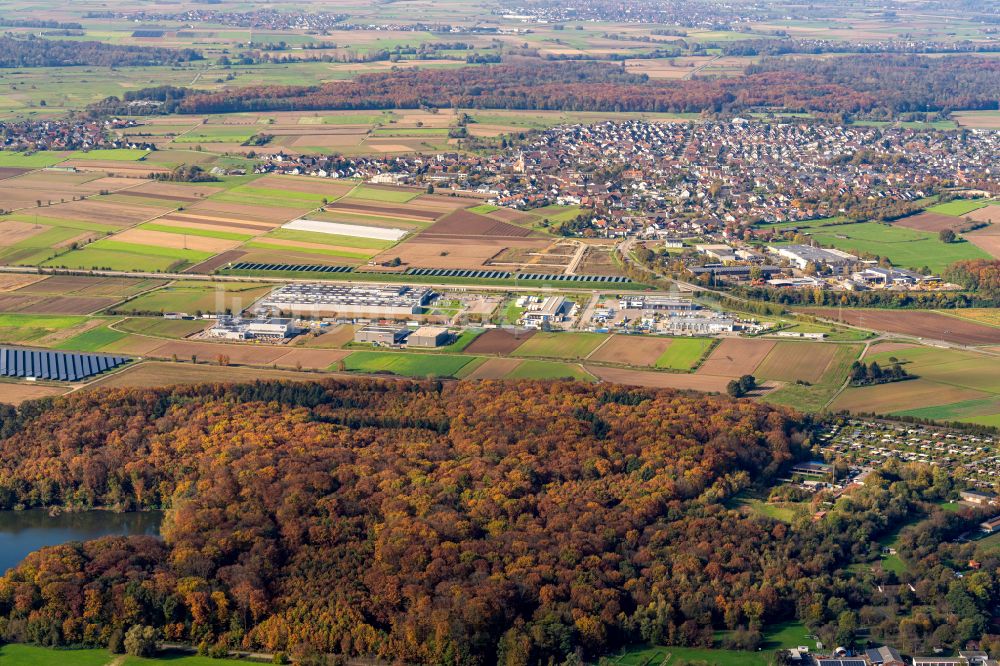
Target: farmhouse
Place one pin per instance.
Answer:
(236, 328)
(344, 299)
(978, 497)
(801, 256)
(382, 335)
(990, 526)
(428, 336)
(884, 656)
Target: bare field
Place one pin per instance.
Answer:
(902, 396)
(631, 350)
(987, 239)
(178, 192)
(337, 337)
(500, 341)
(311, 359)
(650, 379)
(453, 252)
(14, 232)
(494, 368)
(246, 212)
(933, 222)
(736, 356)
(304, 184)
(116, 214)
(989, 213)
(464, 223)
(920, 324)
(210, 351)
(15, 282)
(175, 241)
(152, 374)
(16, 393)
(791, 361)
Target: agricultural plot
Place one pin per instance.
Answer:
(988, 238)
(383, 194)
(683, 353)
(121, 256)
(156, 374)
(958, 207)
(816, 396)
(917, 323)
(38, 160)
(632, 350)
(462, 253)
(560, 345)
(500, 341)
(950, 384)
(794, 361)
(25, 328)
(162, 328)
(193, 297)
(405, 364)
(654, 379)
(930, 222)
(734, 357)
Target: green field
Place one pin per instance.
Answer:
(903, 247)
(110, 155)
(531, 369)
(206, 233)
(92, 340)
(385, 196)
(560, 345)
(30, 655)
(958, 207)
(162, 328)
(196, 296)
(405, 364)
(814, 397)
(30, 327)
(951, 385)
(118, 256)
(37, 160)
(483, 209)
(683, 353)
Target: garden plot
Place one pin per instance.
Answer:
(340, 229)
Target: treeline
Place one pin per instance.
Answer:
(39, 23)
(185, 174)
(979, 275)
(852, 85)
(919, 300)
(37, 52)
(892, 83)
(870, 374)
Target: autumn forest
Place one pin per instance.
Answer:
(446, 523)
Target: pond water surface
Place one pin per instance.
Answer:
(22, 532)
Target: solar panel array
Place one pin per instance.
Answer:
(573, 278)
(62, 366)
(292, 268)
(457, 272)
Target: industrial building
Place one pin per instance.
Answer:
(548, 311)
(347, 299)
(386, 336)
(801, 256)
(268, 329)
(429, 336)
(639, 302)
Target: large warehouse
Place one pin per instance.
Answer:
(365, 299)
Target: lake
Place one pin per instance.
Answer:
(22, 532)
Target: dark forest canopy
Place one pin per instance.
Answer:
(850, 85)
(37, 52)
(456, 524)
